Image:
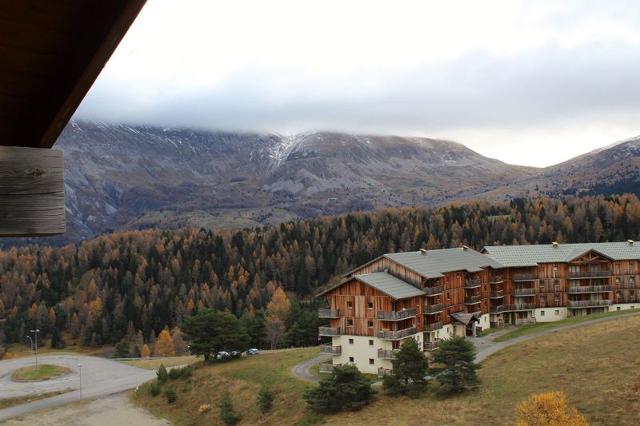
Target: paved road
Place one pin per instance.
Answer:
(301, 370)
(100, 377)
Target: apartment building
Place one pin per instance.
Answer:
(431, 295)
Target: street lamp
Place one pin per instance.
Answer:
(80, 371)
(36, 331)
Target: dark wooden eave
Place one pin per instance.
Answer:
(51, 53)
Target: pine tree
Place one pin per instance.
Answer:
(409, 371)
(455, 369)
(346, 389)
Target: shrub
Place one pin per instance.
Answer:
(346, 389)
(121, 349)
(228, 416)
(548, 409)
(265, 399)
(162, 374)
(175, 373)
(153, 389)
(409, 371)
(457, 370)
(204, 408)
(186, 372)
(170, 394)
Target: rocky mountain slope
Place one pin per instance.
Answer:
(122, 177)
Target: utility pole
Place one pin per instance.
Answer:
(36, 331)
(80, 371)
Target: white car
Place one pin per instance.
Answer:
(222, 355)
(252, 351)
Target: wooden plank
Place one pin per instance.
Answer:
(31, 192)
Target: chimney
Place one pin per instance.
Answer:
(555, 244)
(630, 242)
(423, 252)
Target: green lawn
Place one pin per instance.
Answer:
(39, 373)
(542, 326)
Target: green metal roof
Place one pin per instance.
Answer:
(389, 285)
(531, 255)
(435, 263)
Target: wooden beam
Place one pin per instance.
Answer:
(31, 192)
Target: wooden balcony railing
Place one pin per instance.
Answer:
(472, 283)
(630, 299)
(433, 326)
(628, 285)
(432, 291)
(329, 331)
(387, 353)
(328, 313)
(429, 346)
(524, 277)
(524, 292)
(396, 334)
(433, 309)
(588, 303)
(590, 289)
(589, 274)
(472, 300)
(396, 315)
(496, 280)
(513, 307)
(498, 294)
(330, 350)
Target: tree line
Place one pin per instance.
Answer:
(133, 285)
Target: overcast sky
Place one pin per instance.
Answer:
(527, 82)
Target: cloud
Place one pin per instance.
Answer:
(505, 79)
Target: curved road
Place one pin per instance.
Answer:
(100, 377)
(485, 346)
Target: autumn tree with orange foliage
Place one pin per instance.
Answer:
(549, 409)
(164, 344)
(145, 352)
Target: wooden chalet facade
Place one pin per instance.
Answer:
(436, 294)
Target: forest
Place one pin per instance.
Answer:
(133, 285)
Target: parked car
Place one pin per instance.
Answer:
(235, 354)
(252, 351)
(223, 355)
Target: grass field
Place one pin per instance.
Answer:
(597, 366)
(39, 373)
(10, 402)
(542, 326)
(154, 363)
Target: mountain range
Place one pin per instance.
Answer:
(123, 177)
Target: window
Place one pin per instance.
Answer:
(371, 361)
(349, 305)
(618, 307)
(370, 324)
(541, 313)
(370, 305)
(370, 342)
(351, 341)
(350, 359)
(349, 322)
(617, 280)
(557, 312)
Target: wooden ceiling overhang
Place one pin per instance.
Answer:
(52, 52)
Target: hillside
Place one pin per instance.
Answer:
(124, 177)
(591, 367)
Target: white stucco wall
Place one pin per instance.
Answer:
(624, 306)
(550, 314)
(485, 321)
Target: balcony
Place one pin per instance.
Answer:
(396, 334)
(330, 350)
(432, 291)
(588, 274)
(588, 303)
(472, 283)
(326, 367)
(396, 315)
(590, 289)
(635, 299)
(433, 326)
(513, 307)
(628, 285)
(524, 277)
(499, 294)
(524, 292)
(329, 331)
(496, 280)
(328, 313)
(429, 346)
(383, 371)
(433, 309)
(472, 300)
(387, 353)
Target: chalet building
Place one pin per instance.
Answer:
(431, 295)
